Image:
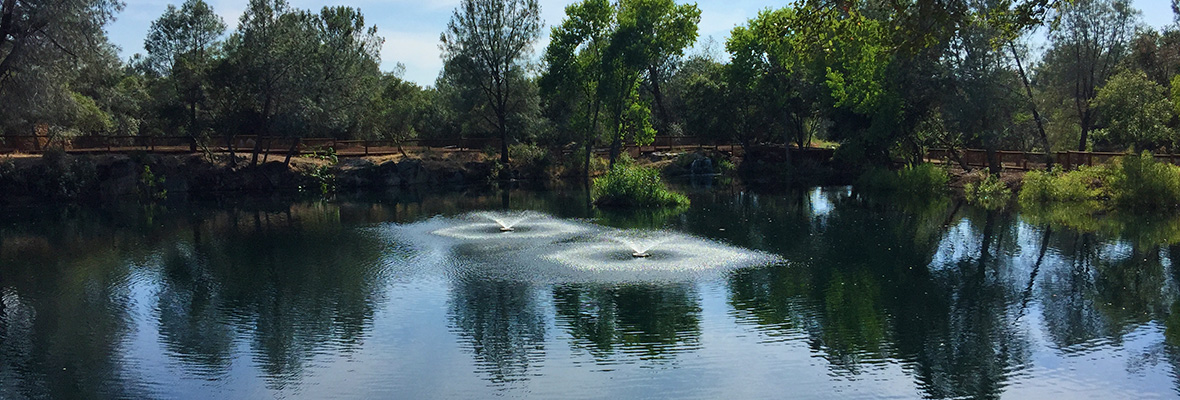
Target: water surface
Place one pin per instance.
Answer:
(849, 295)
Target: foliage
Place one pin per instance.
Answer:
(1136, 112)
(42, 45)
(990, 192)
(923, 180)
(1140, 183)
(530, 159)
(485, 44)
(1057, 186)
(1133, 183)
(1087, 41)
(327, 153)
(63, 176)
(632, 186)
(323, 177)
(151, 185)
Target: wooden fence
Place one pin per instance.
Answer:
(34, 144)
(1024, 160)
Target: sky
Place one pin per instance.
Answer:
(411, 28)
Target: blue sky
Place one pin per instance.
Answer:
(411, 27)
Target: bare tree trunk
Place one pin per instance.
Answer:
(290, 152)
(1044, 137)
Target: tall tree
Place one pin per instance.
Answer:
(663, 30)
(488, 41)
(40, 41)
(191, 30)
(268, 59)
(180, 47)
(574, 71)
(1087, 42)
(346, 74)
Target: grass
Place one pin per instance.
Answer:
(633, 186)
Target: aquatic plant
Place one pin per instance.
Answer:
(634, 186)
(917, 180)
(990, 192)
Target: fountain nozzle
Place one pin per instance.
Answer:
(640, 254)
(506, 229)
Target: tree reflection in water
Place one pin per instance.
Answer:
(501, 324)
(612, 322)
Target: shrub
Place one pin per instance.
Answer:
(920, 180)
(1084, 184)
(529, 157)
(1141, 183)
(990, 192)
(63, 176)
(151, 186)
(1136, 183)
(629, 185)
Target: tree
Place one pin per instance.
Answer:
(40, 42)
(663, 30)
(1135, 111)
(345, 77)
(487, 41)
(191, 30)
(574, 70)
(1087, 42)
(267, 66)
(180, 47)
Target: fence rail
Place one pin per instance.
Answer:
(34, 144)
(1024, 160)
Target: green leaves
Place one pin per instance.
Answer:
(1136, 111)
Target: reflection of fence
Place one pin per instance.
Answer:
(279, 145)
(1024, 160)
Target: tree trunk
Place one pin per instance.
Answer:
(502, 119)
(229, 145)
(616, 138)
(1044, 137)
(1086, 125)
(192, 125)
(291, 151)
(658, 94)
(590, 136)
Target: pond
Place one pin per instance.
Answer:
(816, 293)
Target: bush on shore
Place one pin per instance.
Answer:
(628, 185)
(1134, 183)
(919, 180)
(989, 192)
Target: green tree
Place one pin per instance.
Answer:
(486, 42)
(41, 43)
(1135, 111)
(574, 72)
(180, 48)
(1087, 41)
(663, 29)
(191, 30)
